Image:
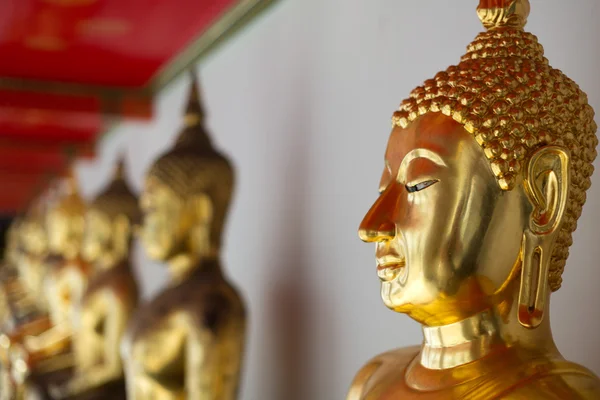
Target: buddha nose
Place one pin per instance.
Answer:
(378, 225)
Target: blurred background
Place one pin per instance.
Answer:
(301, 101)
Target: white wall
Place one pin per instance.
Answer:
(302, 102)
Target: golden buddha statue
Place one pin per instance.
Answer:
(111, 295)
(42, 352)
(28, 310)
(24, 310)
(187, 342)
(486, 171)
(10, 285)
(11, 247)
(66, 272)
(11, 293)
(34, 243)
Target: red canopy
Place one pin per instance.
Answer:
(70, 67)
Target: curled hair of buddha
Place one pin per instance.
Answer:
(117, 198)
(193, 166)
(513, 102)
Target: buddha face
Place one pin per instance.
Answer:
(172, 225)
(447, 237)
(98, 238)
(33, 238)
(164, 225)
(65, 232)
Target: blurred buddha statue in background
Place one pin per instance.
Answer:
(12, 295)
(34, 250)
(26, 248)
(68, 273)
(29, 309)
(187, 343)
(43, 356)
(12, 289)
(23, 309)
(110, 298)
(486, 172)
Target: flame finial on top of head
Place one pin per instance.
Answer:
(194, 112)
(495, 14)
(117, 197)
(194, 136)
(70, 184)
(119, 170)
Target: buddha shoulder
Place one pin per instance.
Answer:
(211, 304)
(565, 380)
(380, 373)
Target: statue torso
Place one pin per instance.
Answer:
(106, 291)
(65, 285)
(180, 320)
(18, 306)
(500, 376)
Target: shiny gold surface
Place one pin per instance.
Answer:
(111, 296)
(187, 343)
(485, 176)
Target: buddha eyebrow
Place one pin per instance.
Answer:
(413, 155)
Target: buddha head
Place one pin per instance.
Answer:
(65, 220)
(485, 176)
(110, 221)
(186, 193)
(33, 242)
(32, 232)
(13, 242)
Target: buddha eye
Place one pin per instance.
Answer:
(421, 185)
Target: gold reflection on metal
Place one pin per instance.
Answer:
(485, 177)
(111, 296)
(188, 341)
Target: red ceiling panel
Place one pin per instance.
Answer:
(71, 67)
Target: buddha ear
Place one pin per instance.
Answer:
(122, 231)
(546, 184)
(201, 209)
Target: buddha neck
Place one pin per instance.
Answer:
(115, 254)
(449, 346)
(110, 261)
(183, 265)
(481, 335)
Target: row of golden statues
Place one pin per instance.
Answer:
(485, 176)
(72, 324)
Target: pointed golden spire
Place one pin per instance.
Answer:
(67, 198)
(194, 135)
(503, 13)
(119, 171)
(194, 113)
(117, 198)
(70, 183)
